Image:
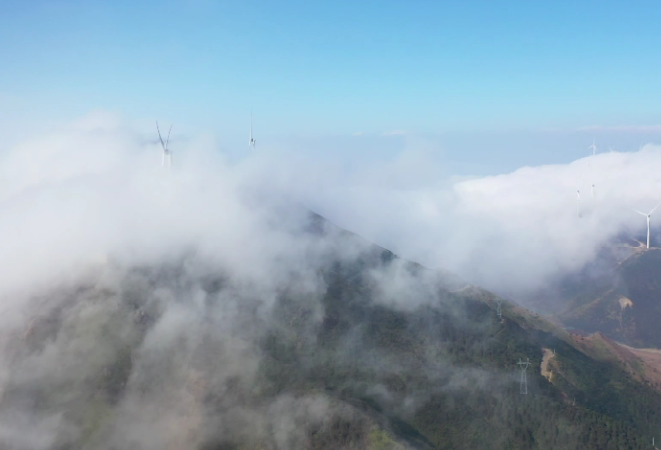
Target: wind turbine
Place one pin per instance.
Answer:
(167, 154)
(593, 147)
(578, 203)
(251, 142)
(648, 222)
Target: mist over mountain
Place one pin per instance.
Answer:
(360, 349)
(513, 233)
(207, 307)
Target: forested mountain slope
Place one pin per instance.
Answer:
(625, 303)
(352, 348)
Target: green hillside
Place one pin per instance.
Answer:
(377, 353)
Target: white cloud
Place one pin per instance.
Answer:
(93, 189)
(514, 230)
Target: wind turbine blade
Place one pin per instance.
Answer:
(655, 208)
(641, 213)
(168, 139)
(159, 135)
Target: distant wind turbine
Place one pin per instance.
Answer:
(167, 154)
(251, 142)
(578, 203)
(648, 222)
(593, 147)
(611, 149)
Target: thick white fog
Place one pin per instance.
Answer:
(511, 232)
(95, 189)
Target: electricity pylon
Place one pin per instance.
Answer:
(523, 366)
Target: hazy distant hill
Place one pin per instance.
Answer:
(625, 303)
(367, 352)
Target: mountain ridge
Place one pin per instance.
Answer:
(361, 350)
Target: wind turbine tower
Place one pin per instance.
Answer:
(523, 366)
(499, 311)
(648, 222)
(167, 154)
(578, 203)
(251, 142)
(593, 147)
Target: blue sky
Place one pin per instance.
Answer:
(475, 72)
